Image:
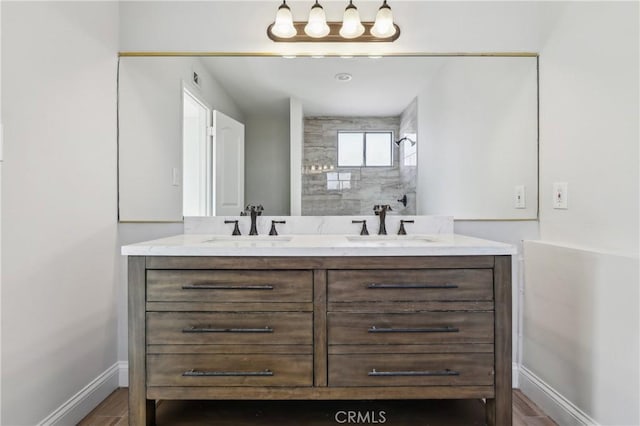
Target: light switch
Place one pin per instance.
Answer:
(519, 197)
(560, 195)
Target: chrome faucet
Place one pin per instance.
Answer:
(381, 210)
(254, 212)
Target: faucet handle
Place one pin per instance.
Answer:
(364, 230)
(402, 231)
(236, 230)
(378, 208)
(273, 230)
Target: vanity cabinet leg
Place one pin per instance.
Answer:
(142, 411)
(499, 410)
(490, 412)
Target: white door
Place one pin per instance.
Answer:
(196, 191)
(228, 141)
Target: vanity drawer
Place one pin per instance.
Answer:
(225, 328)
(457, 369)
(230, 370)
(410, 328)
(410, 285)
(229, 286)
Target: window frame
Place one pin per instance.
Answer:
(364, 147)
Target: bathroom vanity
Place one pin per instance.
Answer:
(319, 317)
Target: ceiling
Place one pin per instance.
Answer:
(379, 86)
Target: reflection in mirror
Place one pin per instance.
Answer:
(351, 164)
(449, 135)
(197, 163)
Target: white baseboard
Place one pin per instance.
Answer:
(123, 375)
(556, 406)
(515, 377)
(81, 404)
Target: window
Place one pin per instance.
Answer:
(365, 149)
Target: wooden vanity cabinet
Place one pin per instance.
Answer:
(319, 328)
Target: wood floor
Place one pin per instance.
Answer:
(113, 411)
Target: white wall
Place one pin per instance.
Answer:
(439, 26)
(150, 132)
(589, 126)
(267, 163)
(581, 333)
(581, 306)
(59, 241)
(478, 139)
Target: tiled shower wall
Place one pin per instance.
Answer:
(366, 186)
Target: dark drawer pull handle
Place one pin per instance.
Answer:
(446, 329)
(408, 285)
(197, 373)
(195, 329)
(205, 286)
(445, 372)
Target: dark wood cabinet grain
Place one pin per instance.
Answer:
(320, 328)
(410, 328)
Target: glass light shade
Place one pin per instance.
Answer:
(351, 25)
(383, 26)
(317, 25)
(283, 26)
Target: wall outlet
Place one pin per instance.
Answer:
(560, 195)
(519, 197)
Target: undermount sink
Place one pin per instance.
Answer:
(249, 240)
(390, 240)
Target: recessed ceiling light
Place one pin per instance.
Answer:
(343, 76)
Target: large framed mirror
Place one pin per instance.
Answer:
(446, 135)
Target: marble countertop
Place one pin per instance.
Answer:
(319, 245)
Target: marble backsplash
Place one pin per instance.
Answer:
(303, 225)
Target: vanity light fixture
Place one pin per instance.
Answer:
(351, 25)
(317, 25)
(283, 25)
(317, 29)
(384, 26)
